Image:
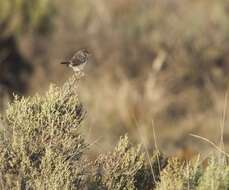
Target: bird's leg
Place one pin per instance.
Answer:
(79, 74)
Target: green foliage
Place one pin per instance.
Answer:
(44, 147)
(125, 168)
(16, 16)
(121, 166)
(216, 176)
(41, 148)
(178, 175)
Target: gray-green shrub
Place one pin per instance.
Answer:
(43, 147)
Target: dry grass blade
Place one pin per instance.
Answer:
(155, 144)
(146, 149)
(222, 126)
(211, 143)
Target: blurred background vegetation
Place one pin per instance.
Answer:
(156, 64)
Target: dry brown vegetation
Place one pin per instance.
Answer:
(41, 148)
(156, 65)
(160, 62)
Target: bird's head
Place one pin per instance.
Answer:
(85, 51)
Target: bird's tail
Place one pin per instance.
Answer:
(65, 63)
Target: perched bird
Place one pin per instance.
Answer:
(78, 61)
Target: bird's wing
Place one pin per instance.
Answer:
(78, 59)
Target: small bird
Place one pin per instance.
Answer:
(78, 60)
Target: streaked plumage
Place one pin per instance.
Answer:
(78, 61)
